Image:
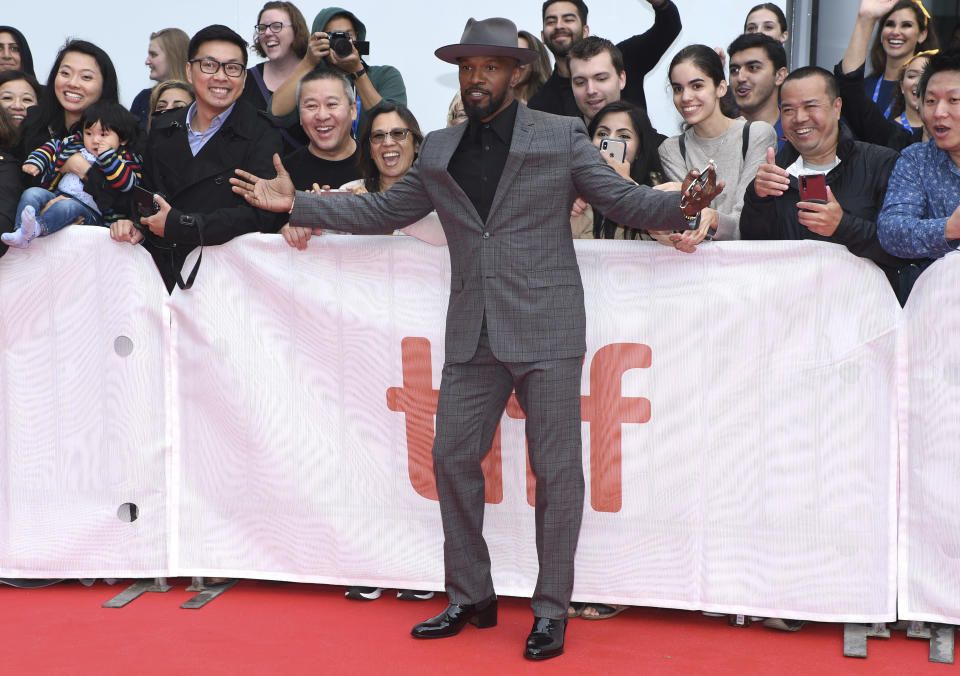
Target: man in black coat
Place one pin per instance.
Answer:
(856, 177)
(191, 154)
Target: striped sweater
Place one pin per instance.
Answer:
(120, 167)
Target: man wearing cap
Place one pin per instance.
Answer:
(502, 185)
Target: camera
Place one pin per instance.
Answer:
(342, 44)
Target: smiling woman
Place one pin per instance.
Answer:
(82, 74)
(18, 91)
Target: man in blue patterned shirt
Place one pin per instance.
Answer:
(921, 213)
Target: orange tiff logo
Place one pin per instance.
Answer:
(605, 408)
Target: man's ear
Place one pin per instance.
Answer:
(586, 31)
(780, 76)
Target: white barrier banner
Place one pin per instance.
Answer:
(82, 410)
(739, 411)
(929, 569)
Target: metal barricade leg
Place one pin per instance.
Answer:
(136, 590)
(208, 592)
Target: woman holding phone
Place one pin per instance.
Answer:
(627, 140)
(735, 147)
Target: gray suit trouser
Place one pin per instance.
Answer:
(473, 396)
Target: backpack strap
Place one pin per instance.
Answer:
(746, 140)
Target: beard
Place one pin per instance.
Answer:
(561, 51)
(478, 111)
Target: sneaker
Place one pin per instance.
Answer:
(414, 595)
(29, 228)
(783, 625)
(363, 593)
(14, 239)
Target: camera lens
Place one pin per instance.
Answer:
(341, 46)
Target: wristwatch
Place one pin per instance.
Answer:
(364, 69)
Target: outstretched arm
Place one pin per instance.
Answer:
(869, 13)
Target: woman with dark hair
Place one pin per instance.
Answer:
(389, 144)
(622, 121)
(15, 52)
(905, 29)
(169, 95)
(82, 74)
(10, 183)
(18, 92)
(736, 148)
(535, 74)
(769, 19)
(167, 60)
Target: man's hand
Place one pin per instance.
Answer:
(317, 48)
(75, 164)
(699, 201)
(296, 236)
(157, 222)
(687, 241)
(275, 194)
(31, 169)
(875, 8)
(822, 219)
(348, 64)
(124, 231)
(771, 181)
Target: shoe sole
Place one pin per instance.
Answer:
(363, 596)
(540, 658)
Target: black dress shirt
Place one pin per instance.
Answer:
(477, 163)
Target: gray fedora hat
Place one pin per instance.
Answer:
(489, 37)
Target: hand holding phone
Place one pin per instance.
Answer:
(614, 148)
(813, 188)
(144, 202)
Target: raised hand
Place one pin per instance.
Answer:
(875, 8)
(771, 180)
(275, 194)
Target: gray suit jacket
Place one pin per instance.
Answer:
(518, 268)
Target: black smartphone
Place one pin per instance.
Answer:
(813, 188)
(144, 202)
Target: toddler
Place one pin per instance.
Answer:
(106, 136)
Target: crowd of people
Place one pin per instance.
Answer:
(870, 162)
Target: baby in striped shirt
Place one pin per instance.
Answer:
(105, 136)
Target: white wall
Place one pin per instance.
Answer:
(402, 35)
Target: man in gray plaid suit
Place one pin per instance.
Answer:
(502, 185)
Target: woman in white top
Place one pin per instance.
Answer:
(735, 147)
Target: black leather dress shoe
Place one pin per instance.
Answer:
(545, 639)
(451, 621)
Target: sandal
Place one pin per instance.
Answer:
(575, 609)
(604, 611)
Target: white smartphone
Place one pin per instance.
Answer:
(615, 148)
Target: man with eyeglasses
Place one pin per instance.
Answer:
(372, 83)
(192, 152)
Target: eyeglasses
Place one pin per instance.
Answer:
(211, 66)
(274, 27)
(398, 134)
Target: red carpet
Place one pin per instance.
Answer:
(272, 628)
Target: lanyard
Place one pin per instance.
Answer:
(356, 122)
(876, 95)
(904, 122)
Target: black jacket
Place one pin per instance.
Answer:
(205, 210)
(859, 183)
(11, 186)
(865, 117)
